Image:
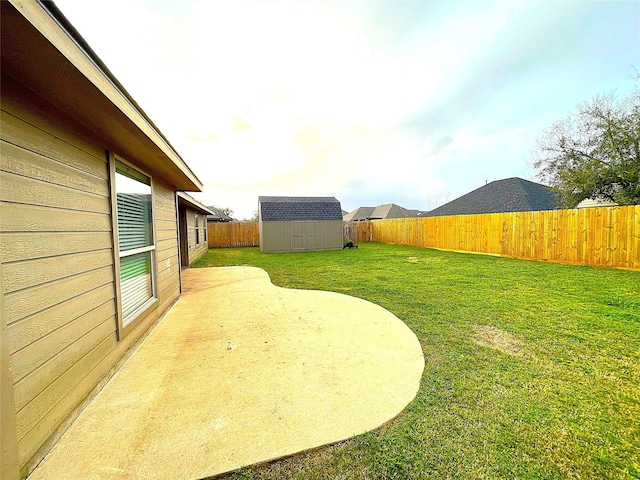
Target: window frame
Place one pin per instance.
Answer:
(126, 325)
(197, 228)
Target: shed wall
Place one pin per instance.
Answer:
(277, 236)
(58, 282)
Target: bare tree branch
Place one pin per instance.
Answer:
(594, 152)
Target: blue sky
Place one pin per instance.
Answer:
(371, 102)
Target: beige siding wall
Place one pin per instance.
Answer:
(198, 245)
(330, 234)
(168, 265)
(260, 228)
(57, 266)
(277, 236)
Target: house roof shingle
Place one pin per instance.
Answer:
(507, 195)
(299, 208)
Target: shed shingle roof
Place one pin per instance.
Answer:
(507, 195)
(299, 208)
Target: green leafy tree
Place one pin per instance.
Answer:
(595, 152)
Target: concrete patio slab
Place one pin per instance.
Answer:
(240, 372)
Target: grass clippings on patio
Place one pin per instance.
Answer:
(532, 369)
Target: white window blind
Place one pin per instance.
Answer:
(134, 220)
(135, 281)
(135, 238)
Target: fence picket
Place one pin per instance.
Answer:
(233, 234)
(601, 236)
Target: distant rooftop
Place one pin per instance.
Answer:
(218, 215)
(381, 212)
(508, 195)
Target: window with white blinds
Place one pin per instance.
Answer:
(197, 230)
(135, 239)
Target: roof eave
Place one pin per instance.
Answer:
(189, 201)
(81, 91)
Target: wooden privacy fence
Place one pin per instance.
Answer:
(233, 234)
(606, 236)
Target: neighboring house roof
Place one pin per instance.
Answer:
(192, 203)
(391, 210)
(360, 213)
(65, 71)
(507, 195)
(381, 212)
(218, 216)
(299, 208)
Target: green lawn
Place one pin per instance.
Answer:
(532, 369)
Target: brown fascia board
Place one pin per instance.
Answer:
(44, 52)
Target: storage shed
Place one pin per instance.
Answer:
(296, 224)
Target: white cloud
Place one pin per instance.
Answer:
(312, 98)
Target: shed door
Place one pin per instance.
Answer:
(297, 235)
(304, 235)
(310, 236)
